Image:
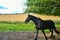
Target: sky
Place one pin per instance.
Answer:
(12, 6)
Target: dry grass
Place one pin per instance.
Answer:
(48, 17)
(13, 17)
(22, 17)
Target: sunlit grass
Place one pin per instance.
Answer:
(22, 17)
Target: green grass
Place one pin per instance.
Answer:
(18, 26)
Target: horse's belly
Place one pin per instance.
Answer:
(39, 28)
(45, 27)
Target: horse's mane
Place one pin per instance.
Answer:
(35, 17)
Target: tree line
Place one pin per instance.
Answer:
(49, 7)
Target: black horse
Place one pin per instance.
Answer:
(42, 25)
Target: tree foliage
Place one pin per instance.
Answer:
(50, 7)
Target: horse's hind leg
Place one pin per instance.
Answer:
(44, 34)
(52, 36)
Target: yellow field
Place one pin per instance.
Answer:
(22, 17)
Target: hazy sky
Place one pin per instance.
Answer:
(12, 6)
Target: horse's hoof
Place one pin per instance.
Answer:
(52, 37)
(35, 39)
(46, 38)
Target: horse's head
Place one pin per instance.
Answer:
(28, 18)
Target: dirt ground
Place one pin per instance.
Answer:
(24, 36)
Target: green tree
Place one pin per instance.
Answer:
(50, 7)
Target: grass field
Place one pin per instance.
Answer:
(18, 26)
(15, 22)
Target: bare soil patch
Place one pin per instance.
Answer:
(24, 36)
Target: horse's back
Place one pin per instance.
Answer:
(48, 24)
(49, 21)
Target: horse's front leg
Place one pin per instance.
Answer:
(44, 34)
(36, 35)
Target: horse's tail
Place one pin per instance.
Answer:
(56, 31)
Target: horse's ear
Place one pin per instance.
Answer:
(28, 15)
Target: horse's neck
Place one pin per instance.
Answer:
(40, 19)
(36, 21)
